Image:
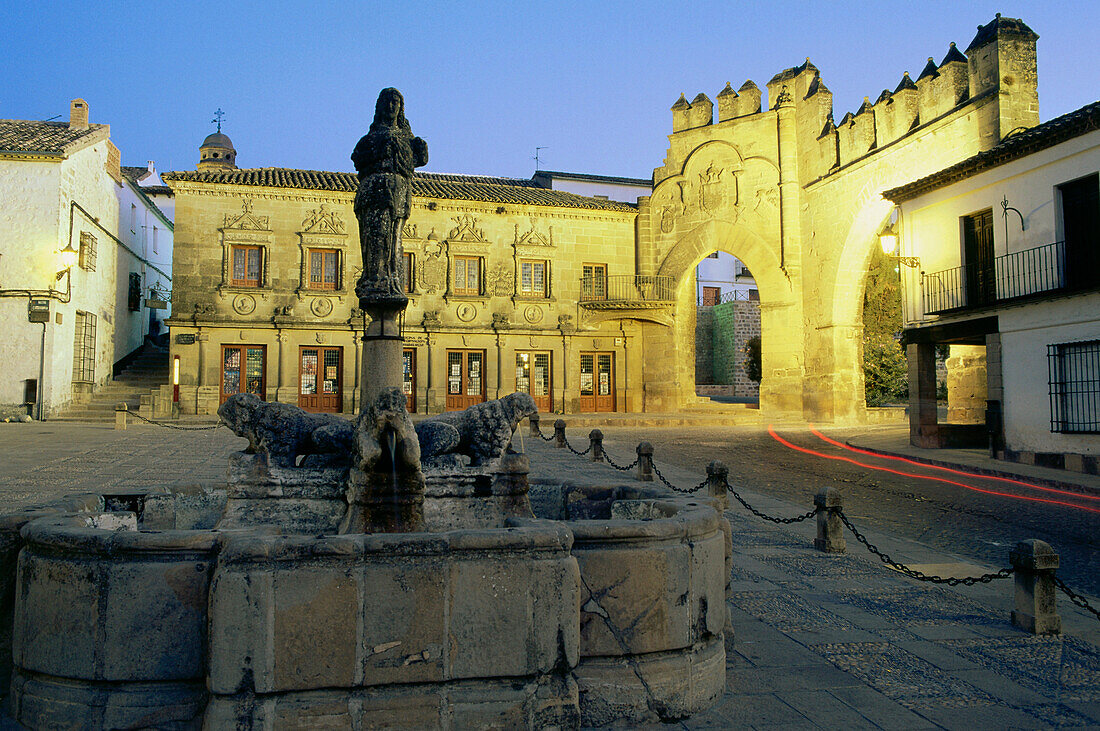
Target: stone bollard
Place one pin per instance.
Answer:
(533, 420)
(559, 433)
(830, 530)
(718, 483)
(645, 462)
(595, 440)
(1036, 609)
(120, 416)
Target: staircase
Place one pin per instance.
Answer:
(146, 372)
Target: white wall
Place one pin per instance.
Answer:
(613, 191)
(931, 229)
(1025, 334)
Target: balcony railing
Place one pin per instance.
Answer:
(1013, 276)
(626, 290)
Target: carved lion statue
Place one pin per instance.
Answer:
(284, 431)
(484, 430)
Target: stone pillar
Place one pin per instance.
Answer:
(645, 462)
(994, 410)
(120, 417)
(923, 424)
(382, 345)
(966, 384)
(286, 376)
(718, 484)
(533, 420)
(595, 441)
(1036, 609)
(830, 529)
(511, 485)
(356, 400)
(559, 433)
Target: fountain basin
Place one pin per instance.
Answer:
(653, 609)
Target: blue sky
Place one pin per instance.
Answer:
(484, 82)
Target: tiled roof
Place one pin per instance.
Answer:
(1050, 133)
(156, 190)
(425, 185)
(52, 138)
(592, 178)
(1008, 27)
(133, 173)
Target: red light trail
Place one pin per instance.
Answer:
(838, 458)
(963, 473)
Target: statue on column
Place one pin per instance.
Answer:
(384, 160)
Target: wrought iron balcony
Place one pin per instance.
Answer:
(626, 291)
(1014, 276)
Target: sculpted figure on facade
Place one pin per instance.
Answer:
(385, 159)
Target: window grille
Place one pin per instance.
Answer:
(1074, 377)
(87, 251)
(134, 293)
(84, 347)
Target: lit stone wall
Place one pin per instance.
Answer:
(284, 315)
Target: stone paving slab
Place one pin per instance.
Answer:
(821, 641)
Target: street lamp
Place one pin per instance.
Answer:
(888, 238)
(68, 257)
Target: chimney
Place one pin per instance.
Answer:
(78, 114)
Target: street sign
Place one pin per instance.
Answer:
(156, 304)
(185, 339)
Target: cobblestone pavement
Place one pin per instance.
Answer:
(822, 641)
(980, 526)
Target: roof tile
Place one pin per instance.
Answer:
(53, 138)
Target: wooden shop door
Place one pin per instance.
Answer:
(533, 377)
(597, 382)
(243, 369)
(465, 378)
(320, 379)
(408, 378)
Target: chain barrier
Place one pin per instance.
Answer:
(625, 468)
(758, 514)
(579, 454)
(913, 573)
(672, 487)
(175, 426)
(1075, 597)
(544, 438)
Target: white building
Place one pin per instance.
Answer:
(66, 323)
(1008, 243)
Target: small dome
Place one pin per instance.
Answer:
(217, 139)
(217, 153)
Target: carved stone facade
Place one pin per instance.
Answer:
(792, 194)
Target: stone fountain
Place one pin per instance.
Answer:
(367, 573)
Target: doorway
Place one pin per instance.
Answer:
(243, 370)
(981, 289)
(597, 382)
(533, 377)
(320, 379)
(408, 378)
(465, 378)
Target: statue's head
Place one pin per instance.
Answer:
(390, 107)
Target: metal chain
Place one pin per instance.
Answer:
(546, 439)
(672, 487)
(579, 454)
(630, 466)
(758, 514)
(1075, 597)
(913, 573)
(176, 426)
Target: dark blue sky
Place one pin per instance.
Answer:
(484, 82)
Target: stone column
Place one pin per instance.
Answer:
(718, 484)
(966, 384)
(923, 424)
(1036, 610)
(830, 529)
(356, 385)
(645, 462)
(381, 369)
(285, 377)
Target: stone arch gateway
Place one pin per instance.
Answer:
(797, 197)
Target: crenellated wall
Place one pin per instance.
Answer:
(797, 197)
